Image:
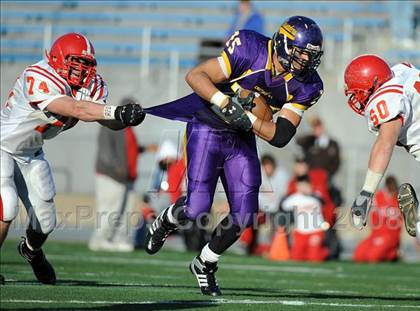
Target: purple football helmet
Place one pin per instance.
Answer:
(298, 44)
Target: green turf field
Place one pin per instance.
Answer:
(137, 281)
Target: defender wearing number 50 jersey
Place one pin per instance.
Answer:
(389, 99)
(220, 140)
(49, 97)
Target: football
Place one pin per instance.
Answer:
(261, 110)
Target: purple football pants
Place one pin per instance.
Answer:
(213, 153)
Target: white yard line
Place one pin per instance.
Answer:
(297, 303)
(180, 263)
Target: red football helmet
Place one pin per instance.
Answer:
(73, 57)
(362, 77)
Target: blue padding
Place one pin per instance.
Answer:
(102, 60)
(350, 6)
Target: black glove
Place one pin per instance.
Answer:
(247, 102)
(130, 114)
(234, 114)
(360, 209)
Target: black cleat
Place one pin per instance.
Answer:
(408, 204)
(1, 279)
(159, 230)
(204, 273)
(43, 270)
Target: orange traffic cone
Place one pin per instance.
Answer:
(279, 247)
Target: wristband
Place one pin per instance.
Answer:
(372, 181)
(251, 117)
(109, 112)
(218, 99)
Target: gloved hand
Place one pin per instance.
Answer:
(233, 112)
(130, 114)
(360, 209)
(246, 102)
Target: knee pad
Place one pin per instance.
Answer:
(42, 217)
(41, 180)
(8, 199)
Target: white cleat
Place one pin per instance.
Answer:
(408, 204)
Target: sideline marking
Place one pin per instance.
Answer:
(215, 302)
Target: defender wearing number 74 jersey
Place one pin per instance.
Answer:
(49, 97)
(389, 99)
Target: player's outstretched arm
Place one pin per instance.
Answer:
(280, 133)
(381, 152)
(129, 115)
(380, 157)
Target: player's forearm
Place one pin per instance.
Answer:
(80, 109)
(277, 134)
(264, 129)
(88, 111)
(380, 155)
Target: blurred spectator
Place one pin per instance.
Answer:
(385, 219)
(320, 150)
(257, 240)
(116, 172)
(273, 186)
(308, 235)
(167, 186)
(246, 17)
(318, 178)
(168, 176)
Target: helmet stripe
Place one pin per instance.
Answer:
(284, 31)
(88, 49)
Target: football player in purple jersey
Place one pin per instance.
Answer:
(220, 130)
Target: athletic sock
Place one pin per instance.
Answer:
(170, 216)
(207, 255)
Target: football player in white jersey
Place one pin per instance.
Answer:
(49, 97)
(389, 99)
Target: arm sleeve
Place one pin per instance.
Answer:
(40, 90)
(285, 130)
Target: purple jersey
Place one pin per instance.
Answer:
(247, 62)
(247, 57)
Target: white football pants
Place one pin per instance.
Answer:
(33, 183)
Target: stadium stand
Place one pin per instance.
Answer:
(116, 27)
(176, 28)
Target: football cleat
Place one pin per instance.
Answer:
(43, 270)
(204, 273)
(408, 204)
(160, 229)
(2, 280)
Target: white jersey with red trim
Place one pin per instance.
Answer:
(25, 120)
(398, 98)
